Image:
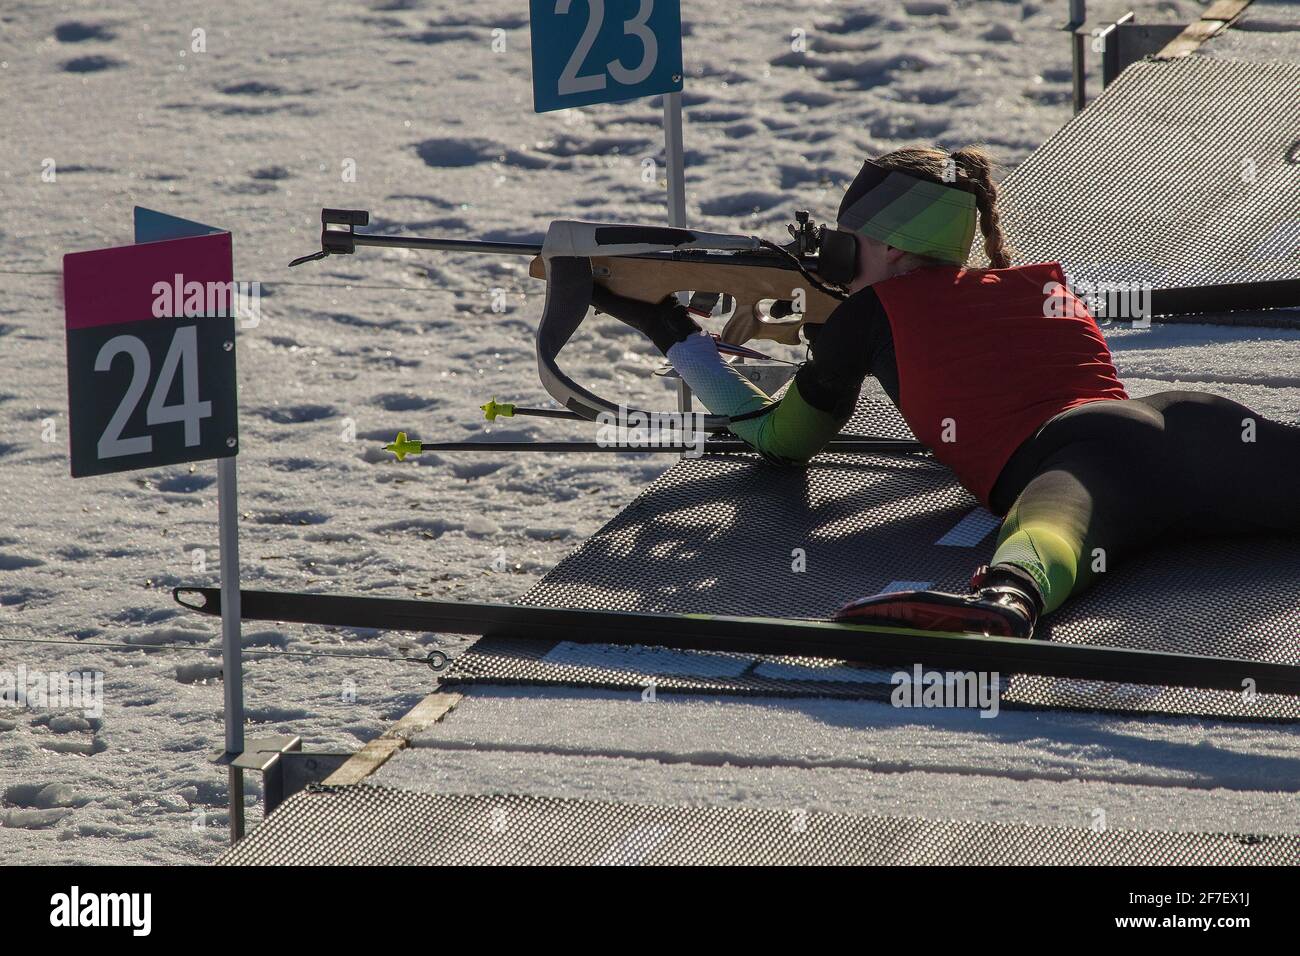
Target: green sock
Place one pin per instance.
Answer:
(1050, 556)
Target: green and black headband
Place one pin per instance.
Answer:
(915, 215)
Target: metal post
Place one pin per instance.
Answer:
(232, 665)
(1078, 17)
(683, 396)
(675, 160)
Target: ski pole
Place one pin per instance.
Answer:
(403, 447)
(494, 410)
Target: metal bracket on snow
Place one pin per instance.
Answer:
(284, 766)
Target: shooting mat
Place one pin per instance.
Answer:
(723, 534)
(1182, 173)
(365, 825)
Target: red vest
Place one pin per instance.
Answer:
(986, 356)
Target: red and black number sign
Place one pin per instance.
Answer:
(151, 354)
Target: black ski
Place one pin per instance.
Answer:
(866, 644)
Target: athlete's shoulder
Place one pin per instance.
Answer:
(864, 300)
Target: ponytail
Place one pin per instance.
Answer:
(978, 167)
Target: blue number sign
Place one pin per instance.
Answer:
(601, 51)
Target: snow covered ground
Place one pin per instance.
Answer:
(864, 757)
(255, 134)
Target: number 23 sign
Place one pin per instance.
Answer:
(151, 354)
(600, 51)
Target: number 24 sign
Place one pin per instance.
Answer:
(600, 51)
(151, 354)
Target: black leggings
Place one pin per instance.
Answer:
(1102, 480)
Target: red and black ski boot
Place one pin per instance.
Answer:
(1003, 600)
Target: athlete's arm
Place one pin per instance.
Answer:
(854, 342)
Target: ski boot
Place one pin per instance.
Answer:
(1003, 600)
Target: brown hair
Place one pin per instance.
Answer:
(971, 170)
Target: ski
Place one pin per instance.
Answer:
(855, 643)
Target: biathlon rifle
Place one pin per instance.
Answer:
(644, 262)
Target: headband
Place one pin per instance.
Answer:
(911, 214)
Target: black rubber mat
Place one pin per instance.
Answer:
(722, 535)
(1182, 173)
(367, 825)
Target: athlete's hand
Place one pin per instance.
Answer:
(665, 322)
(642, 316)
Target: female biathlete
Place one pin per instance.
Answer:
(1003, 374)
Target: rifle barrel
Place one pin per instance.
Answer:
(449, 245)
(759, 257)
